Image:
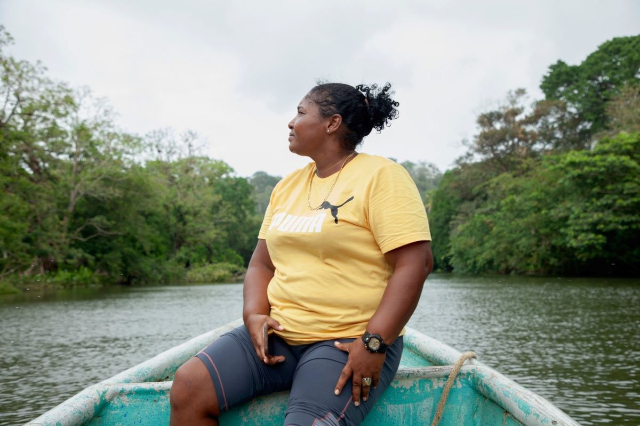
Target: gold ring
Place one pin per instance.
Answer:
(366, 381)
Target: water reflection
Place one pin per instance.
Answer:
(575, 342)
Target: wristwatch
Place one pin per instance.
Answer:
(374, 343)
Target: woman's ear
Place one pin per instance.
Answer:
(334, 123)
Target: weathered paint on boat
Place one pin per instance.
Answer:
(480, 396)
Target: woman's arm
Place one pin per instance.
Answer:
(412, 264)
(259, 273)
(256, 308)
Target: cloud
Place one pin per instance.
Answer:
(234, 71)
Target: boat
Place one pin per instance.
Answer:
(479, 395)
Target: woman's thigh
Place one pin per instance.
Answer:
(238, 374)
(312, 400)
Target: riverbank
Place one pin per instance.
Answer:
(207, 274)
(85, 278)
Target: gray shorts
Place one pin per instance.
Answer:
(311, 372)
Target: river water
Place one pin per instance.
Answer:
(574, 341)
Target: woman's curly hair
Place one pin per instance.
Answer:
(362, 108)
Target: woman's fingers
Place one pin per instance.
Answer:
(274, 324)
(274, 359)
(257, 336)
(266, 358)
(342, 380)
(376, 380)
(343, 346)
(365, 391)
(262, 355)
(356, 388)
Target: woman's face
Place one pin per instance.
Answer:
(308, 129)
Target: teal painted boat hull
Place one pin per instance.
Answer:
(480, 395)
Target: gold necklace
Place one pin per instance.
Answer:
(349, 157)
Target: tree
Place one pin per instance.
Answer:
(80, 196)
(587, 87)
(426, 177)
(623, 111)
(572, 213)
(514, 132)
(445, 204)
(550, 187)
(600, 203)
(32, 132)
(263, 184)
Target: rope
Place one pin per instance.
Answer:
(447, 387)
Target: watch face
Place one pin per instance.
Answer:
(374, 344)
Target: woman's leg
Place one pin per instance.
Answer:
(312, 400)
(227, 373)
(193, 397)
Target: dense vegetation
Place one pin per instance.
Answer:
(551, 188)
(83, 202)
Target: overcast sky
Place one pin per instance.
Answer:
(234, 72)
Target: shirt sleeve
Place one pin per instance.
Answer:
(262, 235)
(396, 214)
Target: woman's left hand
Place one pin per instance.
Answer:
(361, 363)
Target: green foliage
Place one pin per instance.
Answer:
(510, 230)
(216, 273)
(513, 133)
(445, 204)
(263, 185)
(546, 187)
(81, 277)
(6, 288)
(84, 203)
(552, 188)
(602, 201)
(623, 111)
(589, 86)
(426, 177)
(572, 213)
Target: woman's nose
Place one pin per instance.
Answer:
(290, 125)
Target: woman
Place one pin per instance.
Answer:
(339, 266)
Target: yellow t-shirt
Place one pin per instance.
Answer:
(330, 270)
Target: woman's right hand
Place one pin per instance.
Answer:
(255, 324)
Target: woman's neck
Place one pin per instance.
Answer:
(331, 162)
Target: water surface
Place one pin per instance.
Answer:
(575, 342)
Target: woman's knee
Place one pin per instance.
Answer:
(193, 389)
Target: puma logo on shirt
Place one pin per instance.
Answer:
(285, 222)
(334, 209)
